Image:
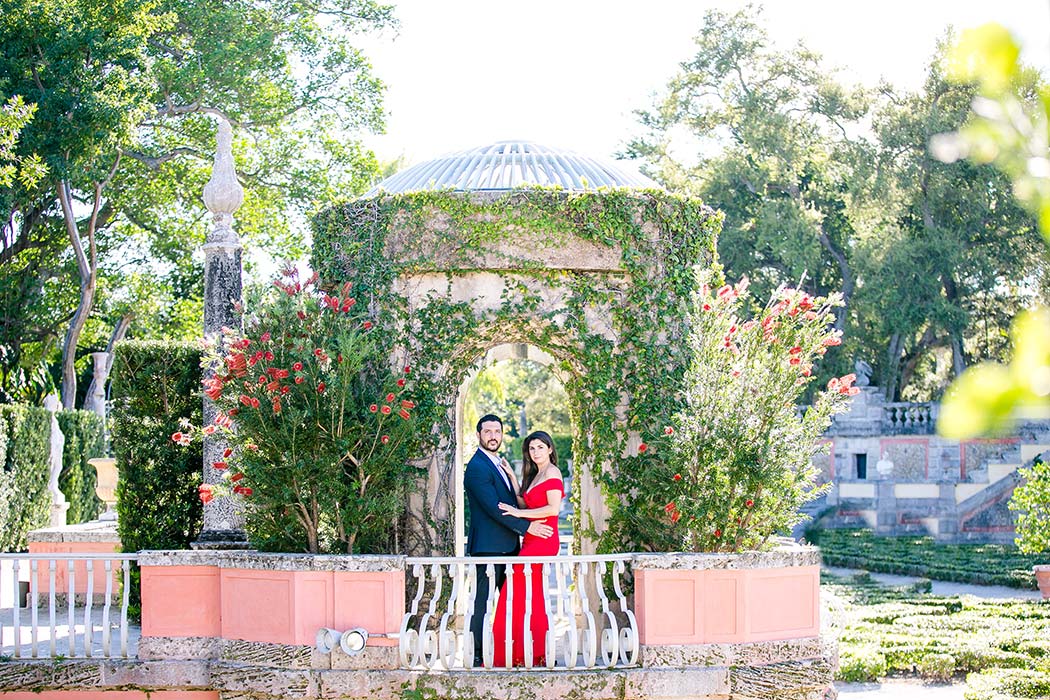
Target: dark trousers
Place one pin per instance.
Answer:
(481, 598)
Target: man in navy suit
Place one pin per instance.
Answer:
(492, 533)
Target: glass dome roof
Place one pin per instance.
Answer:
(505, 165)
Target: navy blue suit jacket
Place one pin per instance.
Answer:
(491, 532)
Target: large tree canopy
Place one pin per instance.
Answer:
(836, 186)
(126, 94)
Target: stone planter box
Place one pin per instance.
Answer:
(203, 604)
(95, 537)
(703, 599)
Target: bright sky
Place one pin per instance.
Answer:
(569, 73)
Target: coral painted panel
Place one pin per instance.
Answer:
(113, 695)
(257, 606)
(313, 608)
(180, 601)
(769, 618)
(723, 615)
(372, 600)
(80, 577)
(668, 606)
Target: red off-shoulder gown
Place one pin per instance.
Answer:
(535, 497)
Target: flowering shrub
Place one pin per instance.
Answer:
(319, 436)
(735, 466)
(1032, 499)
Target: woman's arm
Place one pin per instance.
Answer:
(552, 508)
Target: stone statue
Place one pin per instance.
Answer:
(59, 506)
(863, 372)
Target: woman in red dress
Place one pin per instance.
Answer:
(539, 498)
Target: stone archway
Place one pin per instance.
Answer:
(598, 280)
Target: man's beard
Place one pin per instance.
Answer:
(493, 447)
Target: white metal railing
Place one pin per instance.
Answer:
(586, 628)
(70, 633)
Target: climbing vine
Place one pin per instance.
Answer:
(599, 280)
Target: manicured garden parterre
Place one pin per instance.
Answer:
(983, 564)
(1002, 647)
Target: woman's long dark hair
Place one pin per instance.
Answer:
(529, 470)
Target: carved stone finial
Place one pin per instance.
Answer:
(223, 194)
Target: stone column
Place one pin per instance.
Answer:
(223, 526)
(59, 505)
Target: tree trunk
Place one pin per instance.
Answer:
(892, 371)
(958, 355)
(87, 271)
(848, 280)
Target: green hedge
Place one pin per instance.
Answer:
(155, 385)
(85, 438)
(981, 564)
(25, 443)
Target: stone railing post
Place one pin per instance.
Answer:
(223, 525)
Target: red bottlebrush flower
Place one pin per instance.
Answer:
(675, 516)
(795, 350)
(213, 388)
(385, 410)
(670, 507)
(404, 414)
(246, 400)
(262, 379)
(297, 366)
(219, 466)
(223, 420)
(233, 412)
(301, 315)
(810, 316)
(208, 429)
(401, 382)
(831, 341)
(707, 307)
(373, 408)
(642, 447)
(833, 384)
(320, 388)
(285, 389)
(676, 477)
(281, 374)
(318, 352)
(808, 371)
(385, 439)
(205, 493)
(265, 337)
(227, 452)
(408, 369)
(408, 404)
(255, 402)
(252, 360)
(725, 292)
(268, 355)
(299, 380)
(253, 447)
(273, 386)
(389, 398)
(736, 373)
(848, 379)
(668, 430)
(366, 325)
(749, 503)
(242, 490)
(795, 361)
(718, 533)
(244, 343)
(276, 405)
(852, 391)
(180, 438)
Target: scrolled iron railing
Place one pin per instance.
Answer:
(586, 627)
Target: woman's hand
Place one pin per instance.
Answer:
(510, 510)
(505, 465)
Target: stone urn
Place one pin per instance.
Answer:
(106, 487)
(1042, 577)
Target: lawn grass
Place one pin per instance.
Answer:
(983, 564)
(1002, 647)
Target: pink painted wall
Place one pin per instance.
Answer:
(710, 606)
(258, 605)
(79, 568)
(113, 695)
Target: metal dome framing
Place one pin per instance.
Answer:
(505, 165)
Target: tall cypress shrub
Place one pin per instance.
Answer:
(24, 499)
(85, 438)
(156, 384)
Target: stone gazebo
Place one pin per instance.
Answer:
(514, 243)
